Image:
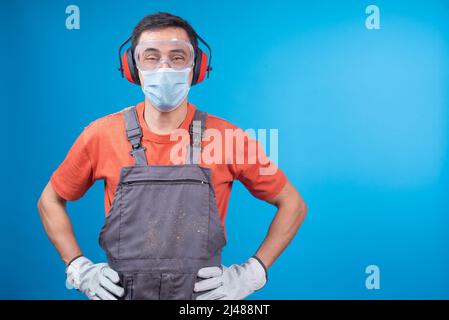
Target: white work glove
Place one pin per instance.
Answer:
(231, 283)
(96, 281)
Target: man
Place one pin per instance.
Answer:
(164, 229)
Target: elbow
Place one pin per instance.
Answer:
(40, 201)
(291, 202)
(301, 209)
(41, 204)
(47, 199)
(298, 208)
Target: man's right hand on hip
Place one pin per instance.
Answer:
(96, 281)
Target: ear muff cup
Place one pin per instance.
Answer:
(200, 68)
(129, 67)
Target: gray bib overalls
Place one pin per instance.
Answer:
(163, 225)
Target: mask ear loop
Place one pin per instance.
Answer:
(209, 67)
(120, 68)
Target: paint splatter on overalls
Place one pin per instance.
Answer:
(163, 225)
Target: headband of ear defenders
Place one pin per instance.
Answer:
(128, 67)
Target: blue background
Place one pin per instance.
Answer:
(363, 129)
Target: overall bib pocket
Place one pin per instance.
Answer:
(172, 223)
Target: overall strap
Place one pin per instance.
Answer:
(196, 131)
(134, 135)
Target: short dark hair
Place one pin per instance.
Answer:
(162, 20)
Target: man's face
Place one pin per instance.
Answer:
(165, 34)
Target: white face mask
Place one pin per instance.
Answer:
(166, 88)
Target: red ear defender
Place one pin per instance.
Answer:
(126, 70)
(203, 67)
(129, 69)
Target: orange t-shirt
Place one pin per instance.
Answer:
(102, 150)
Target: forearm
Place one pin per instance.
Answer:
(57, 225)
(283, 228)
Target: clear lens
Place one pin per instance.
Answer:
(155, 54)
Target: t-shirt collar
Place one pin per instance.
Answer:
(162, 138)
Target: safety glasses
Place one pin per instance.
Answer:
(155, 54)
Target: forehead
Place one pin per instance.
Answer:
(166, 33)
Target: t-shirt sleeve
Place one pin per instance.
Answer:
(259, 174)
(75, 175)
